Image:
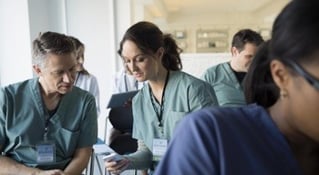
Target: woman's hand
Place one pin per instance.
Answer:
(117, 167)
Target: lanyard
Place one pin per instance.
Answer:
(159, 114)
(46, 123)
(46, 129)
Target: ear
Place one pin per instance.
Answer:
(37, 69)
(280, 74)
(234, 51)
(160, 52)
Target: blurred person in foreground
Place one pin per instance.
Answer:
(278, 132)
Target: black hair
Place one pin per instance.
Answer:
(149, 38)
(294, 36)
(245, 36)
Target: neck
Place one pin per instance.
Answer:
(157, 85)
(158, 82)
(298, 141)
(50, 99)
(304, 149)
(234, 66)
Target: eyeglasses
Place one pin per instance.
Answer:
(311, 79)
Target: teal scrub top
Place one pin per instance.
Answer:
(23, 117)
(184, 94)
(228, 90)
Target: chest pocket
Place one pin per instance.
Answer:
(67, 141)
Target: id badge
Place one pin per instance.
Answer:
(159, 148)
(45, 152)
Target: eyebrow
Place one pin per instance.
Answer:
(137, 55)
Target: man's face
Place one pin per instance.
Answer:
(58, 73)
(243, 59)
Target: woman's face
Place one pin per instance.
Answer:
(142, 66)
(304, 102)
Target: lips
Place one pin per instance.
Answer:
(138, 75)
(67, 86)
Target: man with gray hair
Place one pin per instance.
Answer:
(47, 126)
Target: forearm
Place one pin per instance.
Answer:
(142, 158)
(79, 161)
(10, 167)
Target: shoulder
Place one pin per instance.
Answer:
(180, 77)
(80, 94)
(212, 72)
(19, 86)
(227, 118)
(216, 67)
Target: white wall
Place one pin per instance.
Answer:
(15, 46)
(93, 23)
(123, 20)
(46, 15)
(259, 19)
(196, 63)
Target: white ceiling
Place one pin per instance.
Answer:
(214, 6)
(196, 7)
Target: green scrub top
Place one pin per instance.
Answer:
(228, 90)
(23, 117)
(183, 94)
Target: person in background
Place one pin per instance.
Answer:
(47, 126)
(84, 79)
(226, 78)
(125, 81)
(278, 133)
(167, 97)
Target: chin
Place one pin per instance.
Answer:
(64, 90)
(140, 79)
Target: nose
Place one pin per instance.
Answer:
(81, 60)
(130, 66)
(68, 77)
(133, 66)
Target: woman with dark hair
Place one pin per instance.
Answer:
(169, 94)
(278, 134)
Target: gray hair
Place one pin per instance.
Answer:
(50, 42)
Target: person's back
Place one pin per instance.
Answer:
(226, 78)
(228, 141)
